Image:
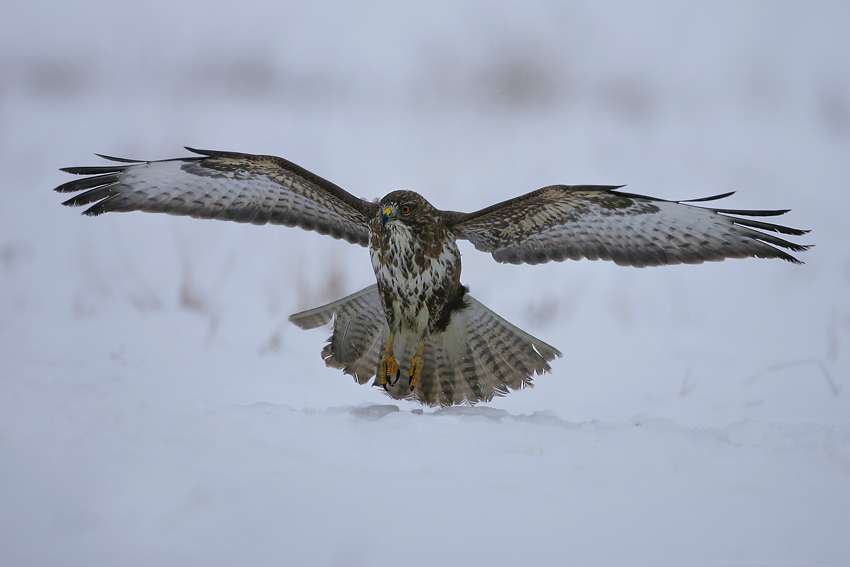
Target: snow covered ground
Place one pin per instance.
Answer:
(156, 407)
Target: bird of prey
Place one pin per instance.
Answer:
(417, 331)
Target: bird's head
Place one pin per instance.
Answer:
(406, 207)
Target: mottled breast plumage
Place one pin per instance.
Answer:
(416, 262)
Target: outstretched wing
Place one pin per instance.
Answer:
(224, 186)
(599, 222)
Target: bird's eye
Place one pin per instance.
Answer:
(405, 209)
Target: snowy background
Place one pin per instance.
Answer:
(156, 407)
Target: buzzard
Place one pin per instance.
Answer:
(417, 331)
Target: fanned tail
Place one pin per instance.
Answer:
(478, 357)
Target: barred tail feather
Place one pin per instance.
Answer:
(478, 357)
(359, 336)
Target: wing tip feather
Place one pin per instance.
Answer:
(120, 159)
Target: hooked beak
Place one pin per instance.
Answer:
(386, 216)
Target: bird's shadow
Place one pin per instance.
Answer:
(373, 412)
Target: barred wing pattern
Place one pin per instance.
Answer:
(598, 222)
(478, 357)
(225, 186)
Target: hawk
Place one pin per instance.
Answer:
(417, 331)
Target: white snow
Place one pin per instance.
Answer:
(156, 407)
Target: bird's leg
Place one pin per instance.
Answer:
(416, 364)
(389, 367)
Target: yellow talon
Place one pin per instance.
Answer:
(389, 367)
(416, 364)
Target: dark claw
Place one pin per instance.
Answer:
(389, 382)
